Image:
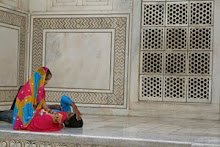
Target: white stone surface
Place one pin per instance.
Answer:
(136, 107)
(172, 109)
(126, 131)
(80, 60)
(9, 40)
(14, 3)
(65, 6)
(39, 5)
(17, 4)
(216, 55)
(24, 5)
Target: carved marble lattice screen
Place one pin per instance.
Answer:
(176, 51)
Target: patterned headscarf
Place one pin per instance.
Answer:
(29, 99)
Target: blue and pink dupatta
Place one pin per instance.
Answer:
(29, 99)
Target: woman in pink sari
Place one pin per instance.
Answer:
(31, 99)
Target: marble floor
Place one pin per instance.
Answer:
(136, 131)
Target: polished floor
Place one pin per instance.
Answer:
(140, 131)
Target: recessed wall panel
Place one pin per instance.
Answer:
(97, 63)
(86, 56)
(8, 56)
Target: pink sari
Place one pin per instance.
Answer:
(44, 122)
(29, 99)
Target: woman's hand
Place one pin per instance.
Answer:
(47, 109)
(50, 111)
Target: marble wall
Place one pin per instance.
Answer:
(86, 45)
(16, 4)
(70, 48)
(87, 55)
(13, 49)
(189, 104)
(96, 51)
(67, 6)
(9, 55)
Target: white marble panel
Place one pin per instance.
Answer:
(24, 5)
(14, 3)
(85, 6)
(9, 39)
(37, 6)
(19, 5)
(71, 5)
(95, 3)
(79, 59)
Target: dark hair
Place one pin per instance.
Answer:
(48, 73)
(74, 123)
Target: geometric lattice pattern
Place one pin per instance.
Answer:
(175, 63)
(175, 87)
(176, 38)
(151, 62)
(200, 38)
(177, 13)
(151, 87)
(184, 40)
(199, 88)
(201, 13)
(153, 14)
(118, 23)
(199, 63)
(152, 38)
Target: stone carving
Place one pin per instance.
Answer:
(152, 38)
(199, 63)
(175, 63)
(152, 62)
(31, 143)
(205, 12)
(176, 38)
(199, 89)
(200, 38)
(177, 13)
(175, 88)
(153, 14)
(7, 95)
(119, 24)
(151, 87)
(185, 48)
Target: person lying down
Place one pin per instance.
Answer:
(66, 114)
(47, 122)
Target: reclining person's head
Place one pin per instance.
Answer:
(72, 122)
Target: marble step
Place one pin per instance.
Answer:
(119, 131)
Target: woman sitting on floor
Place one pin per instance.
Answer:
(27, 107)
(31, 99)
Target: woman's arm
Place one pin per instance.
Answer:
(44, 106)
